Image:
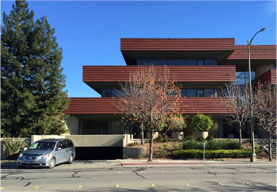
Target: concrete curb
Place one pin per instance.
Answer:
(164, 163)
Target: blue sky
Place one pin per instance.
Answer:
(89, 32)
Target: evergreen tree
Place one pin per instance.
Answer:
(32, 83)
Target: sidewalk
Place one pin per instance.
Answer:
(130, 162)
(119, 163)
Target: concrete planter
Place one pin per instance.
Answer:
(205, 134)
(134, 152)
(202, 134)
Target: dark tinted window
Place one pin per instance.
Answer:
(191, 62)
(210, 62)
(62, 144)
(200, 93)
(191, 93)
(176, 62)
(209, 92)
(200, 62)
(183, 92)
(70, 144)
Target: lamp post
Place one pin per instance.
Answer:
(253, 155)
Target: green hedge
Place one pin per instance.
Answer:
(196, 153)
(212, 144)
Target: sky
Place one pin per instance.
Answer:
(89, 32)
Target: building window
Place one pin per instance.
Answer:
(210, 92)
(242, 77)
(111, 92)
(183, 92)
(176, 62)
(191, 92)
(210, 62)
(200, 93)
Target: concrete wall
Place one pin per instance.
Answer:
(72, 123)
(262, 69)
(97, 140)
(35, 138)
(90, 140)
(134, 152)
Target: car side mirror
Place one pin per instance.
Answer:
(57, 149)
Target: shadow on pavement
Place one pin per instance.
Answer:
(9, 165)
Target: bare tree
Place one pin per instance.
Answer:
(148, 98)
(238, 105)
(265, 111)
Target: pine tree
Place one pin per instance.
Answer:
(32, 83)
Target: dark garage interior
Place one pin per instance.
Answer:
(98, 153)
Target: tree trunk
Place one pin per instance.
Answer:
(142, 134)
(269, 148)
(240, 136)
(151, 147)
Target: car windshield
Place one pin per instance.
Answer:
(42, 146)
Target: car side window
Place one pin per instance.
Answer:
(59, 145)
(64, 144)
(70, 143)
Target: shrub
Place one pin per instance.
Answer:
(210, 138)
(212, 144)
(177, 146)
(162, 138)
(12, 146)
(176, 123)
(132, 144)
(190, 137)
(201, 122)
(190, 144)
(196, 153)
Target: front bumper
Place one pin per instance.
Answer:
(33, 163)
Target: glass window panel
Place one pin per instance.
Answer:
(240, 81)
(142, 62)
(240, 74)
(210, 62)
(117, 92)
(106, 93)
(253, 75)
(209, 92)
(183, 92)
(191, 62)
(200, 62)
(176, 62)
(191, 92)
(158, 62)
(200, 93)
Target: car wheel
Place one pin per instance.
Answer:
(70, 159)
(52, 163)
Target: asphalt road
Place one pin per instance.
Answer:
(110, 176)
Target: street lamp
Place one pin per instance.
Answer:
(253, 155)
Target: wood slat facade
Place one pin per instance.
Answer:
(177, 44)
(257, 52)
(206, 105)
(176, 73)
